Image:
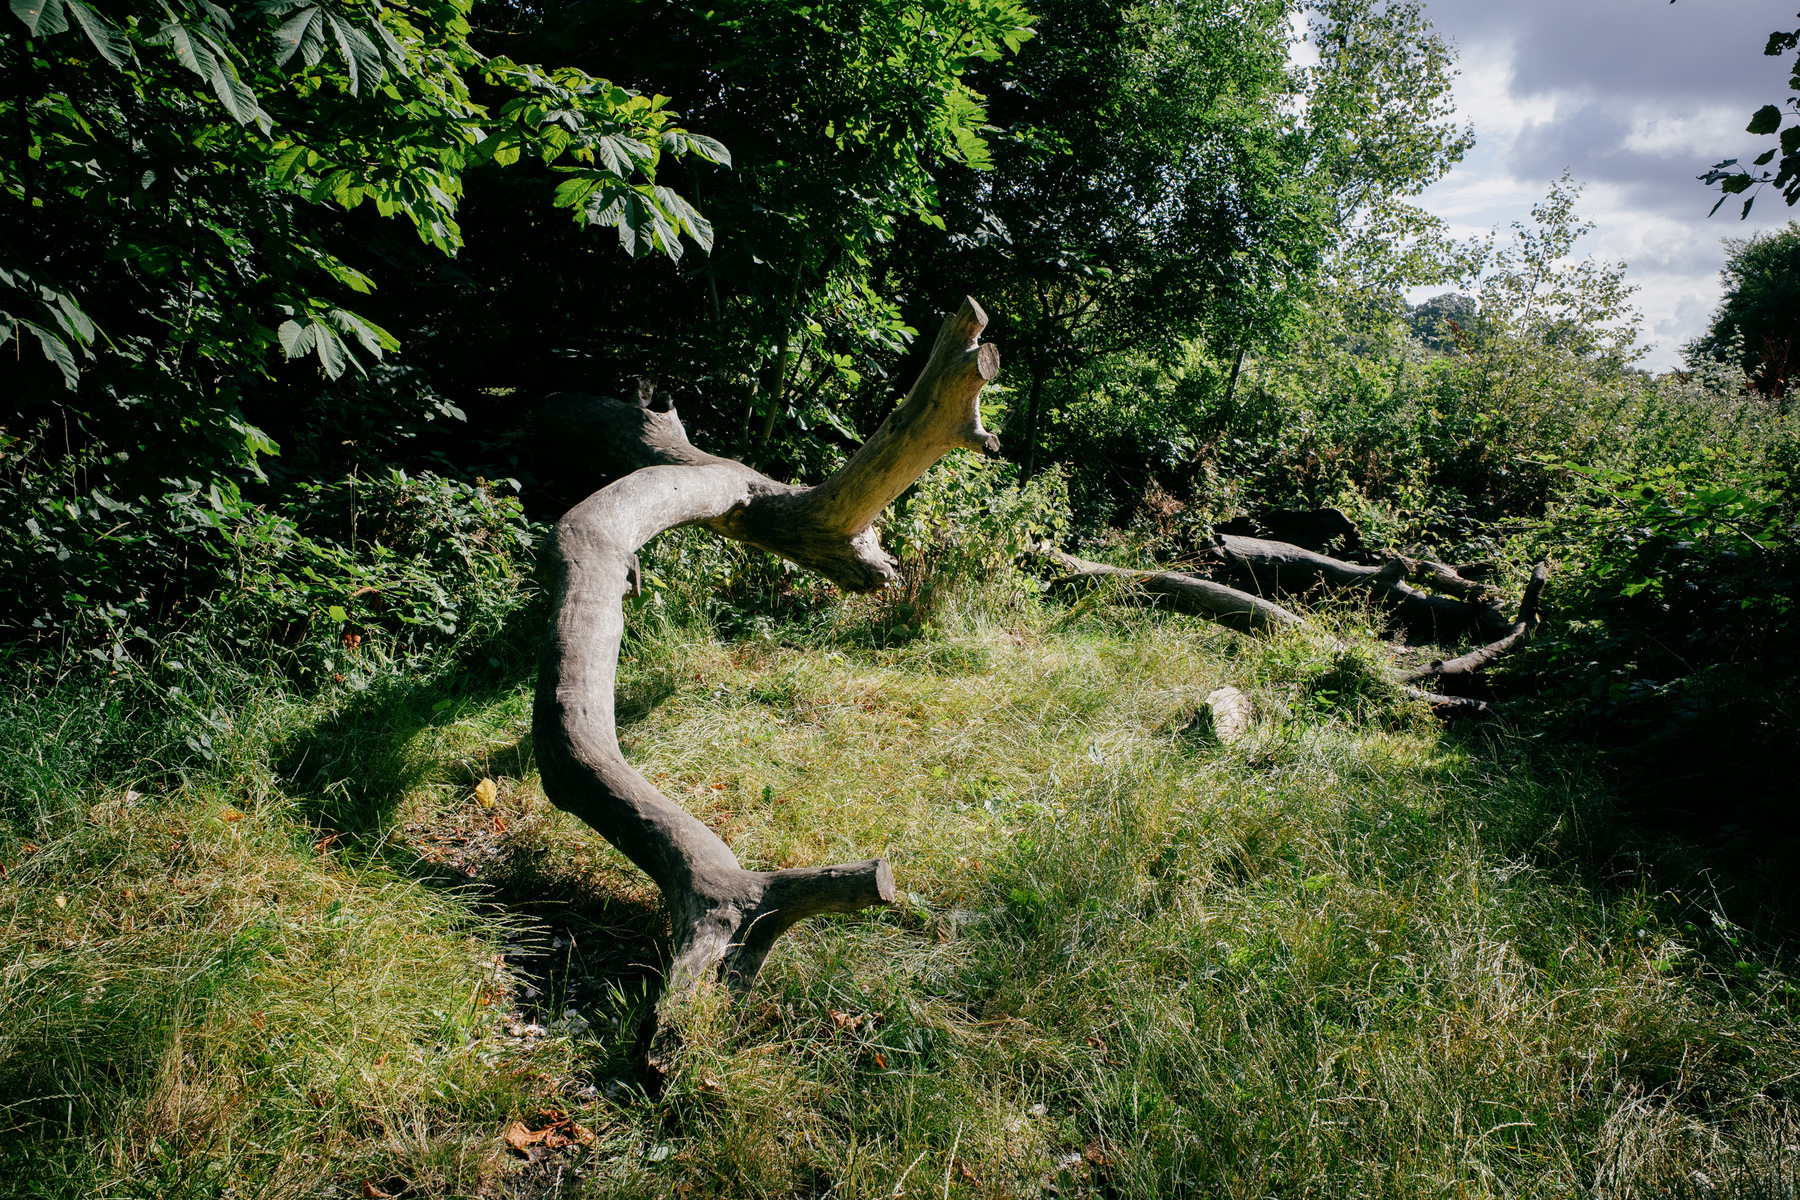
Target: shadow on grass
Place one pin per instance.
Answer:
(1698, 816)
(591, 952)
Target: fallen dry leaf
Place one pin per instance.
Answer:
(371, 1192)
(62, 902)
(521, 1138)
(559, 1132)
(486, 793)
(231, 815)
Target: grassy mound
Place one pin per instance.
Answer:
(1351, 954)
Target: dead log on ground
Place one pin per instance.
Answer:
(1484, 656)
(1278, 568)
(725, 919)
(1315, 529)
(1185, 593)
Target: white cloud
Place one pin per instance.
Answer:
(1635, 100)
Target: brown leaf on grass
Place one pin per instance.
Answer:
(967, 1172)
(1096, 1154)
(522, 1139)
(559, 1131)
(844, 1020)
(371, 1192)
(487, 793)
(231, 816)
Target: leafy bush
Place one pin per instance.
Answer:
(409, 562)
(1673, 568)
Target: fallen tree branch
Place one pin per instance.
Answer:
(724, 918)
(1278, 568)
(1450, 706)
(1186, 593)
(1244, 610)
(1484, 656)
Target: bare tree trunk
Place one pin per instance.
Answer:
(784, 351)
(725, 918)
(1033, 407)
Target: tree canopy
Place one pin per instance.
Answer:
(261, 246)
(1757, 325)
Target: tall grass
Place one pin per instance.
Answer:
(1353, 954)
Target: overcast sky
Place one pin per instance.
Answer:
(1635, 98)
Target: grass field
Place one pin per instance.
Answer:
(1352, 954)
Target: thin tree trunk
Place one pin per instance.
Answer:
(1237, 365)
(778, 386)
(1033, 407)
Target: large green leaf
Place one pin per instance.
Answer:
(1766, 120)
(41, 16)
(297, 339)
(620, 155)
(698, 227)
(57, 351)
(299, 30)
(334, 357)
(364, 60)
(112, 44)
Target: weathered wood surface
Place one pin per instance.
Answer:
(1278, 569)
(1183, 592)
(725, 918)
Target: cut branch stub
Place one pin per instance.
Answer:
(724, 918)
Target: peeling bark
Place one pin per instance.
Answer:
(725, 918)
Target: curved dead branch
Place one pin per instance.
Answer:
(725, 918)
(1485, 656)
(1279, 568)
